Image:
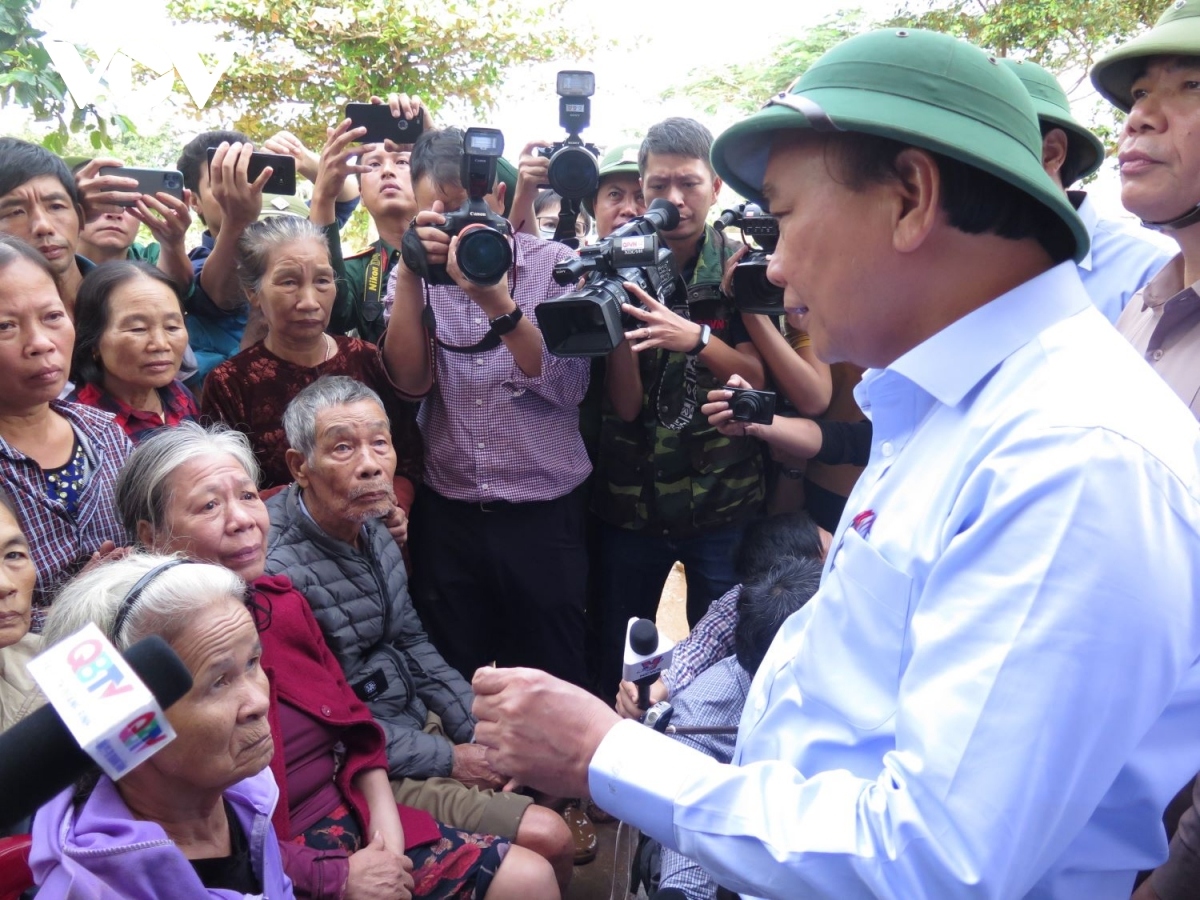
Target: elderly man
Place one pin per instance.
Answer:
(994, 693)
(328, 538)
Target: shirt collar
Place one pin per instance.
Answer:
(952, 362)
(1167, 284)
(1087, 212)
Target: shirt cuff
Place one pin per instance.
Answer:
(636, 774)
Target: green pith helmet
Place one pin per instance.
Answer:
(283, 205)
(620, 160)
(1176, 33)
(507, 172)
(923, 89)
(1053, 107)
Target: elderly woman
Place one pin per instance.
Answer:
(18, 644)
(194, 490)
(284, 267)
(129, 344)
(58, 460)
(196, 815)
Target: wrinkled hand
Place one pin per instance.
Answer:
(627, 698)
(730, 265)
(720, 416)
(660, 327)
(396, 523)
(287, 144)
(228, 178)
(472, 769)
(99, 194)
(533, 170)
(167, 217)
(377, 873)
(336, 163)
(538, 729)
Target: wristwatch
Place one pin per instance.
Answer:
(502, 325)
(705, 334)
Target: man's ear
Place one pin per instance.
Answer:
(496, 198)
(1054, 154)
(298, 466)
(717, 185)
(145, 533)
(918, 190)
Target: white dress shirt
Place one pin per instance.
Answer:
(996, 690)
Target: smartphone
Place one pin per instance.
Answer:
(381, 125)
(150, 181)
(283, 174)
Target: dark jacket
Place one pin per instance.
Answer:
(359, 597)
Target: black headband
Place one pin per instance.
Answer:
(136, 591)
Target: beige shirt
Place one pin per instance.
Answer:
(1162, 321)
(18, 692)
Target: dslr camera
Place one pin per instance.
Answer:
(589, 322)
(756, 407)
(752, 292)
(484, 254)
(574, 172)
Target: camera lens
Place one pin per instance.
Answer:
(573, 173)
(745, 407)
(484, 255)
(173, 180)
(753, 291)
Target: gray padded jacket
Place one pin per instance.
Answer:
(360, 599)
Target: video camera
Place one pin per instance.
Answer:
(484, 254)
(589, 322)
(752, 291)
(574, 171)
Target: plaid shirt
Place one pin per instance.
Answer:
(711, 640)
(59, 542)
(492, 432)
(177, 403)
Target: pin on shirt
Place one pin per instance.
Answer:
(862, 522)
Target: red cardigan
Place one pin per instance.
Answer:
(303, 672)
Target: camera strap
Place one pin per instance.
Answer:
(489, 341)
(373, 284)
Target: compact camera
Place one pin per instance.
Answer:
(751, 407)
(484, 254)
(574, 171)
(752, 291)
(589, 322)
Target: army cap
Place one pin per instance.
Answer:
(1053, 107)
(921, 88)
(620, 160)
(507, 173)
(1176, 33)
(283, 205)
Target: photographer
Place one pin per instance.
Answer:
(499, 567)
(668, 486)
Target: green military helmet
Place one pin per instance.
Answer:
(1176, 33)
(1053, 107)
(507, 172)
(923, 89)
(620, 160)
(283, 205)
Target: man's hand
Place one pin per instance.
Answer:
(99, 194)
(730, 265)
(377, 873)
(435, 241)
(627, 698)
(404, 106)
(167, 217)
(720, 416)
(660, 327)
(533, 170)
(239, 198)
(396, 523)
(287, 144)
(472, 769)
(336, 164)
(538, 729)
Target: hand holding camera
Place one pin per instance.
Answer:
(738, 409)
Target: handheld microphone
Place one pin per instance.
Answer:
(39, 756)
(647, 653)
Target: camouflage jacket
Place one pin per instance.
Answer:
(350, 312)
(668, 470)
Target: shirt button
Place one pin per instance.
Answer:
(479, 446)
(479, 362)
(886, 448)
(479, 321)
(1156, 355)
(483, 487)
(326, 711)
(479, 403)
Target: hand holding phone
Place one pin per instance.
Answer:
(382, 125)
(149, 181)
(283, 171)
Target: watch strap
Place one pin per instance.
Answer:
(705, 334)
(502, 325)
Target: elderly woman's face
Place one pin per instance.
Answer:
(221, 723)
(143, 344)
(17, 578)
(214, 515)
(297, 291)
(36, 337)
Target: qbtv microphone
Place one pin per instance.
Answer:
(647, 654)
(39, 756)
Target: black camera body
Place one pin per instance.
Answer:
(574, 170)
(484, 254)
(752, 291)
(751, 407)
(590, 322)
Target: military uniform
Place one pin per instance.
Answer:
(362, 283)
(668, 485)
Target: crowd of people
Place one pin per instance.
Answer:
(940, 597)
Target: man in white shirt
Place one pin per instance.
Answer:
(995, 691)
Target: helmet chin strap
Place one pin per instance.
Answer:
(1191, 217)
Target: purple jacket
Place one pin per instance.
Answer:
(102, 851)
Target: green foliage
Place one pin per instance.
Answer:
(299, 61)
(27, 78)
(744, 87)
